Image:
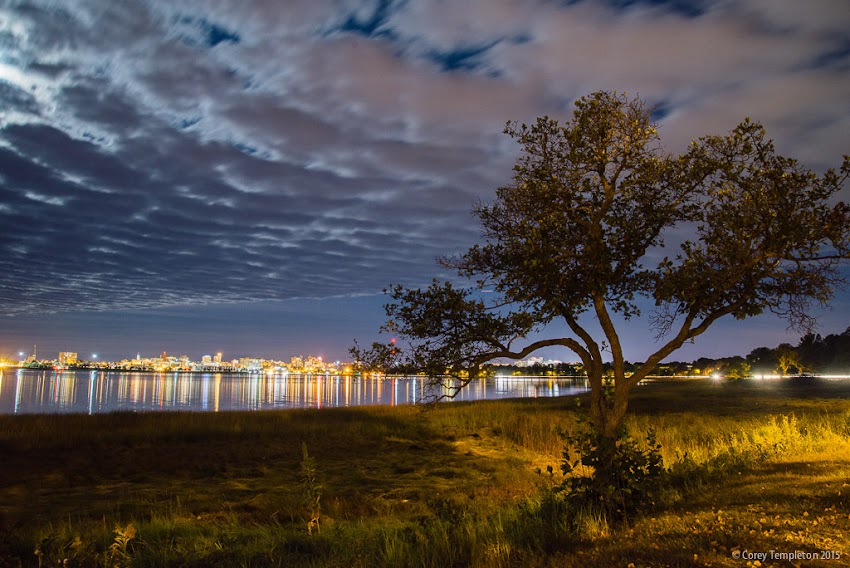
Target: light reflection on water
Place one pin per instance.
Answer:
(26, 391)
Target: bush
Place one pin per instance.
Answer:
(611, 477)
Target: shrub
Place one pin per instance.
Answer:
(611, 478)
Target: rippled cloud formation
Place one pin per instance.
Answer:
(157, 154)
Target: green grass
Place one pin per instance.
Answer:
(753, 466)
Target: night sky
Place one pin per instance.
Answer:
(246, 177)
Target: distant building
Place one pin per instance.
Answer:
(67, 358)
(249, 364)
(531, 361)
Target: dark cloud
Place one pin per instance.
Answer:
(17, 99)
(139, 243)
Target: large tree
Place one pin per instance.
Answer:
(582, 229)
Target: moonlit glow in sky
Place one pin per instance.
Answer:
(246, 177)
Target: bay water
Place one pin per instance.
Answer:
(31, 391)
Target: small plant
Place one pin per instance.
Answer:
(620, 479)
(590, 523)
(312, 490)
(40, 555)
(118, 553)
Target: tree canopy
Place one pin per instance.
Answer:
(584, 226)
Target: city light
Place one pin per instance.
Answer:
(183, 364)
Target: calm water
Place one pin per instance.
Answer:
(24, 391)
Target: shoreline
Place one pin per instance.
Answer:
(649, 378)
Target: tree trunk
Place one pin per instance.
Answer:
(608, 414)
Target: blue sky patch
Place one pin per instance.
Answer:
(461, 58)
(690, 8)
(661, 110)
(371, 26)
(208, 33)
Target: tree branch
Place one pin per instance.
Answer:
(685, 332)
(574, 326)
(611, 334)
(567, 342)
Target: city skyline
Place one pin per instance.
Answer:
(38, 354)
(181, 174)
(94, 359)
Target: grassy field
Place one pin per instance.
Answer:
(754, 468)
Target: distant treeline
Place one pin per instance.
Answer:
(813, 354)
